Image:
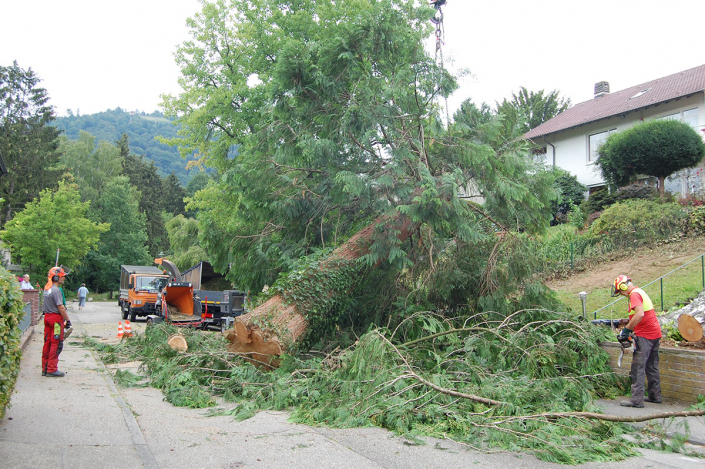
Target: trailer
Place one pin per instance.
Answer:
(219, 302)
(139, 288)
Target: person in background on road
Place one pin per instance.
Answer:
(82, 293)
(644, 327)
(55, 319)
(25, 285)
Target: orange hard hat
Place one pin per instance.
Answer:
(54, 272)
(620, 284)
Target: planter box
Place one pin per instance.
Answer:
(682, 371)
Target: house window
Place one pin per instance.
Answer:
(689, 116)
(594, 142)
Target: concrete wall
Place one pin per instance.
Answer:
(682, 371)
(572, 146)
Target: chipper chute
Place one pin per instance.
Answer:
(180, 296)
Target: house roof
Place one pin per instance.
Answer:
(660, 90)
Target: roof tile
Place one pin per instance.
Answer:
(620, 102)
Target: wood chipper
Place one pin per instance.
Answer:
(177, 303)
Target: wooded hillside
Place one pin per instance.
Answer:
(142, 129)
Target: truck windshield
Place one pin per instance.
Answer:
(150, 284)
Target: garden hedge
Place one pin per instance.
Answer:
(11, 313)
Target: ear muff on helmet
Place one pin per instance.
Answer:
(55, 278)
(621, 283)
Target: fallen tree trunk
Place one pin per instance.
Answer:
(270, 329)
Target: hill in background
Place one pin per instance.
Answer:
(142, 129)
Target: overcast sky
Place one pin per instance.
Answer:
(96, 55)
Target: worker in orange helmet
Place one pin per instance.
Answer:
(55, 320)
(644, 327)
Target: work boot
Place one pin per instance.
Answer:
(59, 374)
(651, 399)
(631, 404)
(44, 372)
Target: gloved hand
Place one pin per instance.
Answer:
(624, 334)
(68, 324)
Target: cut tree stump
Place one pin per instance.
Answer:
(265, 345)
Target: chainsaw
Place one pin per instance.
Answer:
(626, 343)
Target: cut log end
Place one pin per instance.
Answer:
(690, 328)
(178, 342)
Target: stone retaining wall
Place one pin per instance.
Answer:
(682, 371)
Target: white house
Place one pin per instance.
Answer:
(571, 138)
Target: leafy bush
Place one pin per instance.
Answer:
(11, 313)
(696, 220)
(637, 191)
(638, 221)
(572, 193)
(598, 200)
(576, 217)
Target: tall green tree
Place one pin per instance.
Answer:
(341, 128)
(92, 167)
(530, 109)
(656, 148)
(183, 239)
(174, 194)
(56, 220)
(143, 176)
(125, 243)
(28, 143)
(198, 181)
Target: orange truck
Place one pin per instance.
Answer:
(139, 286)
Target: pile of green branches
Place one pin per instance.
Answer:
(523, 382)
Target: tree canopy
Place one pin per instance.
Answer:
(322, 116)
(531, 109)
(656, 148)
(28, 143)
(56, 220)
(124, 243)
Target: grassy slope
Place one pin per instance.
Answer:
(643, 266)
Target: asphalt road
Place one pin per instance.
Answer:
(84, 421)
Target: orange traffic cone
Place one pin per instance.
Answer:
(128, 329)
(119, 330)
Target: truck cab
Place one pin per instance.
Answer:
(139, 286)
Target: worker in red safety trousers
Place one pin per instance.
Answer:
(55, 319)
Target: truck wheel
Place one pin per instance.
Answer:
(133, 314)
(124, 311)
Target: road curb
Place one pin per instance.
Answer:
(24, 340)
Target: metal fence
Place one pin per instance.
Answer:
(25, 322)
(659, 280)
(565, 253)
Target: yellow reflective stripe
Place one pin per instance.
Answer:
(648, 305)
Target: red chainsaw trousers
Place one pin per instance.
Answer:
(53, 343)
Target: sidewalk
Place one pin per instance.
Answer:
(82, 421)
(74, 422)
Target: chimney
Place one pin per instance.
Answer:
(601, 88)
